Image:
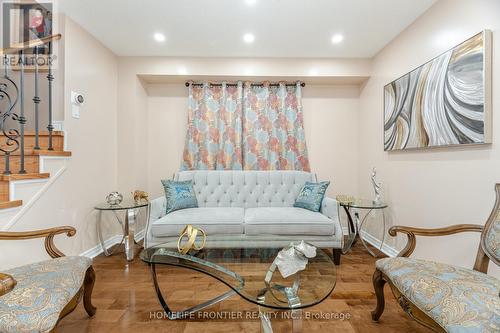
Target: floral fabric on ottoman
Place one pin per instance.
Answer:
(42, 291)
(458, 299)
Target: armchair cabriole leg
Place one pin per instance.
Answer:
(88, 286)
(378, 284)
(336, 256)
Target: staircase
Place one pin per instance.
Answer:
(33, 164)
(27, 154)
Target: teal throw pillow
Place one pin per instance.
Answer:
(180, 195)
(311, 196)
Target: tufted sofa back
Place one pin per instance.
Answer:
(246, 189)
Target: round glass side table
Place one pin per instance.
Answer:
(128, 225)
(355, 226)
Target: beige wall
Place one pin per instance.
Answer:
(91, 69)
(330, 116)
(432, 188)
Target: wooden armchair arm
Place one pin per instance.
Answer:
(49, 234)
(411, 232)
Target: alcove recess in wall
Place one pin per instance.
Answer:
(330, 106)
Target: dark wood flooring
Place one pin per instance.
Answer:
(126, 302)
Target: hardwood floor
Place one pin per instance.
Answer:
(126, 302)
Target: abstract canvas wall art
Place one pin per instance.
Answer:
(444, 102)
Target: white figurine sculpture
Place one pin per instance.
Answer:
(376, 187)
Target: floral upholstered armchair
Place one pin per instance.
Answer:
(441, 297)
(33, 298)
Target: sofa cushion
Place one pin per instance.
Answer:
(311, 196)
(286, 221)
(42, 291)
(213, 220)
(180, 195)
(458, 299)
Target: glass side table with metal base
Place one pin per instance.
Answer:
(356, 226)
(128, 225)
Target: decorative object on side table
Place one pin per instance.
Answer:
(140, 196)
(114, 198)
(346, 199)
(355, 226)
(191, 233)
(376, 187)
(128, 225)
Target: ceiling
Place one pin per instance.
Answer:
(215, 28)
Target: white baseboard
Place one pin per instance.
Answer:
(386, 249)
(97, 250)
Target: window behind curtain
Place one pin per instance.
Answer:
(245, 127)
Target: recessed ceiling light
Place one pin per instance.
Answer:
(248, 38)
(337, 38)
(159, 37)
(250, 2)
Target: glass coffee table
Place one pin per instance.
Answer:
(249, 273)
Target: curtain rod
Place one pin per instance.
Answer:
(302, 84)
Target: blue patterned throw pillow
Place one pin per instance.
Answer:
(180, 195)
(311, 196)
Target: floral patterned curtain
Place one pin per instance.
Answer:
(213, 139)
(273, 128)
(250, 127)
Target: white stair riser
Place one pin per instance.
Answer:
(25, 189)
(29, 191)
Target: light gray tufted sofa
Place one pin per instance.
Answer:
(248, 208)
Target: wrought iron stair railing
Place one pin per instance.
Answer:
(13, 120)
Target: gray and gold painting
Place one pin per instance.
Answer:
(441, 103)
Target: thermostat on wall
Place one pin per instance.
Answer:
(76, 102)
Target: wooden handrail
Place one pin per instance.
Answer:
(30, 44)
